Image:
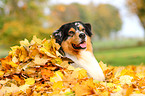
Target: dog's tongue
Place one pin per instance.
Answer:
(83, 45)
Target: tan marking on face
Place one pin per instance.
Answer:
(81, 27)
(72, 29)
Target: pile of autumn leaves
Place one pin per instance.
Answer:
(37, 68)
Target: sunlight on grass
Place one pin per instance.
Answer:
(122, 57)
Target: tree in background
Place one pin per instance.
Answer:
(61, 13)
(106, 19)
(21, 19)
(138, 7)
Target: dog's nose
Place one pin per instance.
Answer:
(82, 35)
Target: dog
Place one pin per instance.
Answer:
(75, 41)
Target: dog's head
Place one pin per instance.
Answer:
(73, 36)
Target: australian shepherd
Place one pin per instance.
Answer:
(75, 41)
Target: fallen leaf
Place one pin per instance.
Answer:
(29, 81)
(81, 90)
(57, 85)
(57, 77)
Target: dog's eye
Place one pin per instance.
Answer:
(71, 32)
(83, 29)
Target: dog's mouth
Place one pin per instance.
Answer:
(81, 45)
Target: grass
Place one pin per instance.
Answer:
(122, 57)
(109, 44)
(3, 52)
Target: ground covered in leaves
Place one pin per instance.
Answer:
(37, 68)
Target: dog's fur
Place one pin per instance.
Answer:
(75, 41)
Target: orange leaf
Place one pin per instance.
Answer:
(46, 73)
(81, 90)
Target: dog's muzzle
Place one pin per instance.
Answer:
(82, 44)
(82, 35)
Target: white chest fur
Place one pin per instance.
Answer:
(87, 61)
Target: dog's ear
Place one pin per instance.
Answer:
(88, 29)
(58, 36)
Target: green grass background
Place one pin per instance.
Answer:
(3, 52)
(122, 57)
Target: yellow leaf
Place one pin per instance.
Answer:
(70, 67)
(110, 85)
(57, 85)
(126, 79)
(14, 59)
(13, 50)
(23, 54)
(140, 75)
(57, 77)
(24, 87)
(82, 74)
(36, 40)
(117, 88)
(106, 93)
(75, 72)
(43, 50)
(138, 92)
(25, 42)
(13, 64)
(64, 64)
(103, 66)
(56, 61)
(127, 72)
(46, 45)
(58, 54)
(1, 73)
(89, 83)
(29, 81)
